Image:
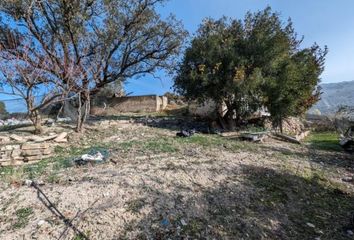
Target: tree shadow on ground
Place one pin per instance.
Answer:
(326, 158)
(265, 204)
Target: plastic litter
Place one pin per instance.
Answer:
(165, 222)
(94, 156)
(186, 133)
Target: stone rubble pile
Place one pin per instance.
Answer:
(18, 150)
(13, 138)
(18, 154)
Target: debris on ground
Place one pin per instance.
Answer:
(63, 120)
(189, 188)
(287, 138)
(165, 222)
(183, 222)
(29, 183)
(59, 138)
(17, 138)
(254, 137)
(62, 137)
(302, 135)
(50, 122)
(186, 133)
(94, 156)
(39, 139)
(348, 179)
(14, 122)
(310, 225)
(347, 140)
(4, 139)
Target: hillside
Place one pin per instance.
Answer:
(335, 95)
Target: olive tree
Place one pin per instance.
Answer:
(248, 64)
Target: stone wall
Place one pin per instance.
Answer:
(146, 104)
(19, 154)
(207, 110)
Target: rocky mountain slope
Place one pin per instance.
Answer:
(334, 95)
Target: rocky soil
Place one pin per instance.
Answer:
(157, 186)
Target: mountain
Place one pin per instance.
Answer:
(333, 96)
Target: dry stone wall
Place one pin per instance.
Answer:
(19, 154)
(146, 104)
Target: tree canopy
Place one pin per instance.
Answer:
(249, 64)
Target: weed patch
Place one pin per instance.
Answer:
(328, 141)
(22, 217)
(136, 205)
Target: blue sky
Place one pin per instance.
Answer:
(327, 22)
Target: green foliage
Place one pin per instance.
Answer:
(22, 215)
(249, 64)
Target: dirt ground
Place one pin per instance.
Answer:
(158, 186)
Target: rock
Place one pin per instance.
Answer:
(31, 152)
(34, 138)
(40, 183)
(17, 138)
(50, 121)
(32, 158)
(47, 151)
(310, 225)
(28, 182)
(42, 139)
(254, 137)
(4, 139)
(16, 153)
(185, 133)
(302, 135)
(9, 147)
(61, 137)
(63, 120)
(41, 223)
(348, 179)
(30, 146)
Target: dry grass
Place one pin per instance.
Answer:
(203, 187)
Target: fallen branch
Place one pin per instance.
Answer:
(287, 138)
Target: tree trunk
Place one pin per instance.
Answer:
(281, 125)
(36, 119)
(83, 111)
(228, 122)
(60, 111)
